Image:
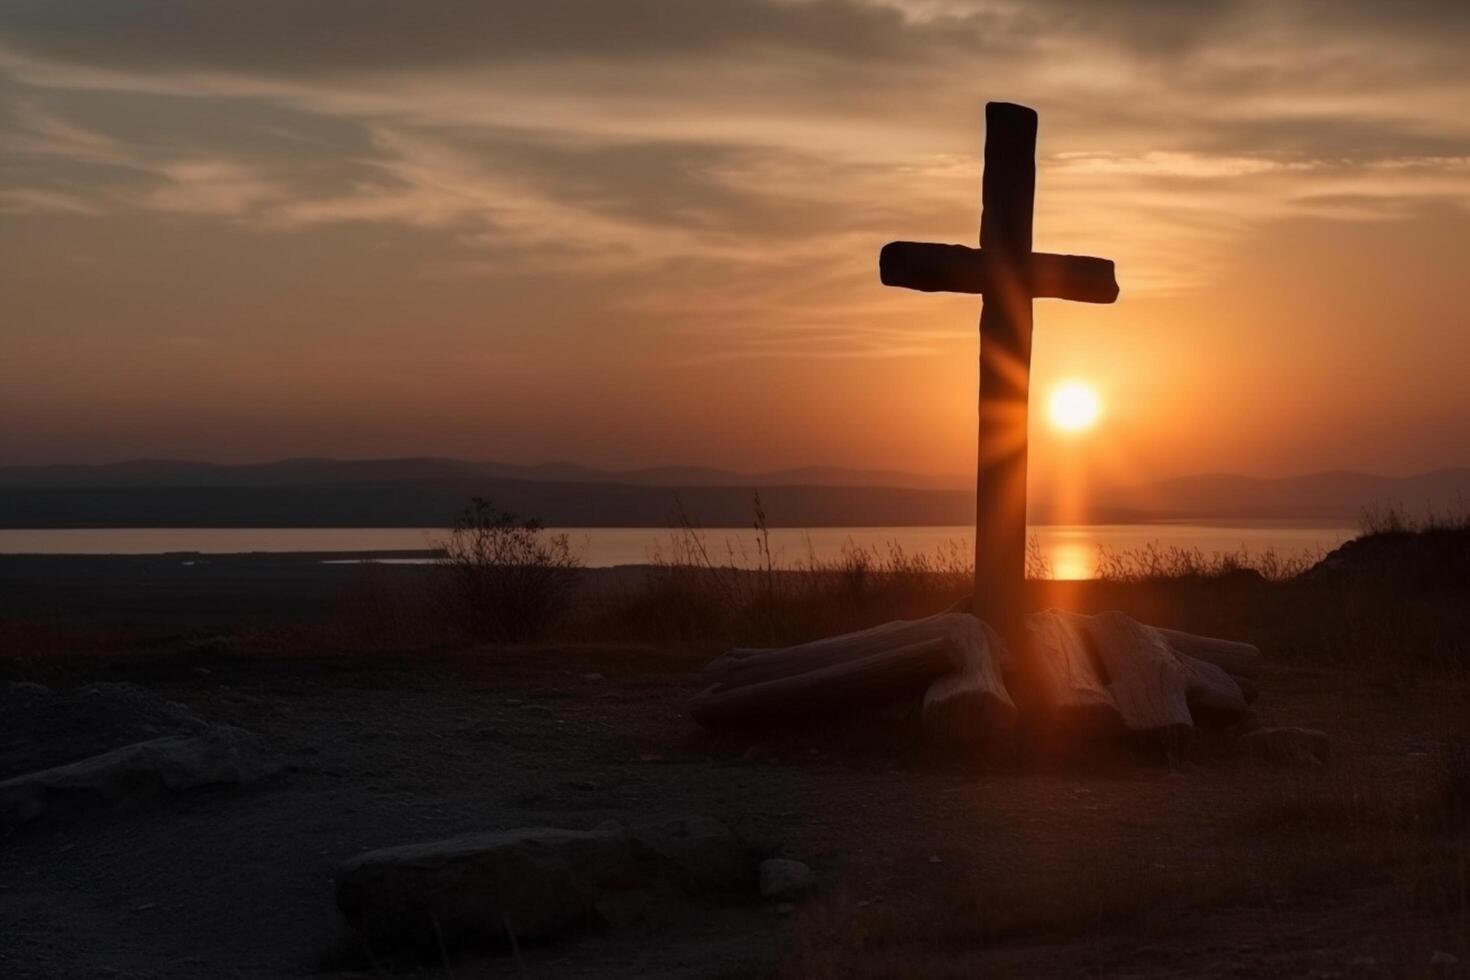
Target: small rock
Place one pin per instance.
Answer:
(593, 677)
(1289, 746)
(934, 859)
(785, 908)
(1443, 960)
(783, 878)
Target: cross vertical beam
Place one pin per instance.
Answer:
(1009, 276)
(1008, 192)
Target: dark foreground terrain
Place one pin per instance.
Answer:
(1123, 866)
(1113, 862)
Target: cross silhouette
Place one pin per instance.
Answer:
(1009, 275)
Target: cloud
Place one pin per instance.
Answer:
(717, 159)
(210, 187)
(1162, 164)
(373, 35)
(324, 36)
(36, 200)
(32, 132)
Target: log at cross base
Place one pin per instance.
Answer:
(1009, 275)
(1103, 674)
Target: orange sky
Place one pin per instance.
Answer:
(646, 232)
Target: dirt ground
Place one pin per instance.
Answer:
(386, 750)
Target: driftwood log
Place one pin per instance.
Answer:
(864, 681)
(1111, 672)
(1101, 674)
(951, 659)
(971, 703)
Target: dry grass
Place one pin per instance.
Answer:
(380, 612)
(968, 911)
(1154, 563)
(1398, 633)
(696, 594)
(1395, 518)
(1326, 837)
(1406, 844)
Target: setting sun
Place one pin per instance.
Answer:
(1074, 407)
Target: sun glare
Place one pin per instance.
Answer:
(1074, 407)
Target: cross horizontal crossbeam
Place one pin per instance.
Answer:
(935, 268)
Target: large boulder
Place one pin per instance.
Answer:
(535, 884)
(135, 774)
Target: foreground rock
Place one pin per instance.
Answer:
(41, 728)
(784, 879)
(535, 884)
(135, 774)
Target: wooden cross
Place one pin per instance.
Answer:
(1009, 275)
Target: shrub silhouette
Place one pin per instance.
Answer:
(507, 579)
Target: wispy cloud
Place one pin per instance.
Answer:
(220, 188)
(33, 200)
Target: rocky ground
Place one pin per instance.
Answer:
(1118, 865)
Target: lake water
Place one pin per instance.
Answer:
(1071, 551)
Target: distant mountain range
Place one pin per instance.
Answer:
(428, 492)
(305, 471)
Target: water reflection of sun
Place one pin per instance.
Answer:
(1071, 560)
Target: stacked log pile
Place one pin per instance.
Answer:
(1102, 673)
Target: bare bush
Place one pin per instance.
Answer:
(507, 579)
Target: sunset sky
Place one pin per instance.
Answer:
(643, 232)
